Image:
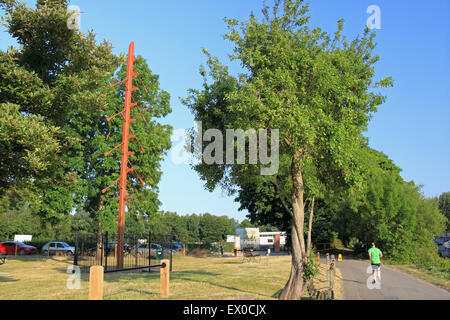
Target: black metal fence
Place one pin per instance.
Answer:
(327, 294)
(138, 251)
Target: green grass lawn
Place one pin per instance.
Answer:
(192, 278)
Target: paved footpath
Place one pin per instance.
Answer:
(395, 285)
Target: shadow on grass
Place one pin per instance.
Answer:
(212, 282)
(151, 294)
(139, 274)
(210, 278)
(43, 259)
(4, 279)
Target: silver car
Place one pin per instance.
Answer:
(142, 248)
(52, 248)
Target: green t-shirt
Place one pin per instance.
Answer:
(375, 254)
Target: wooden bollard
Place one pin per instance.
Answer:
(96, 283)
(318, 257)
(164, 279)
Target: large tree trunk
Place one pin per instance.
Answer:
(293, 289)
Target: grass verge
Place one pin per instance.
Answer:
(429, 274)
(193, 278)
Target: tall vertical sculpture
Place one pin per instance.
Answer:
(126, 137)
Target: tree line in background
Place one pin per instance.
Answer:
(192, 228)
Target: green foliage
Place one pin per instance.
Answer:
(444, 206)
(204, 228)
(438, 266)
(264, 206)
(323, 84)
(430, 223)
(18, 220)
(390, 212)
(317, 90)
(55, 96)
(311, 267)
(53, 80)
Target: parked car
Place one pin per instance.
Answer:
(168, 248)
(177, 246)
(110, 247)
(13, 247)
(55, 247)
(142, 248)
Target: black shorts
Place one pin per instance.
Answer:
(376, 266)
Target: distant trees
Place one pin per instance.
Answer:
(205, 228)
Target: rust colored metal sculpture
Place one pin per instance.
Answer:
(126, 137)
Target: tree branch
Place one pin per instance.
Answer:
(311, 216)
(280, 194)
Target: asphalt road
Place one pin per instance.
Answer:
(395, 285)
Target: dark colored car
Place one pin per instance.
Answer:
(142, 249)
(14, 247)
(177, 246)
(110, 247)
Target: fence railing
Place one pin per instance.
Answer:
(139, 251)
(327, 294)
(97, 273)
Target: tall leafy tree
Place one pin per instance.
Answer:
(49, 86)
(316, 89)
(56, 96)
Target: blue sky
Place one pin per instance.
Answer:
(412, 127)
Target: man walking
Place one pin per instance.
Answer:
(375, 256)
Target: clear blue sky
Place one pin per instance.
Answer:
(412, 127)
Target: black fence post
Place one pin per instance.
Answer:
(75, 256)
(171, 250)
(102, 251)
(135, 250)
(106, 251)
(149, 249)
(170, 260)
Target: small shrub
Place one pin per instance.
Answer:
(311, 268)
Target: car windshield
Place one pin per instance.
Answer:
(65, 244)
